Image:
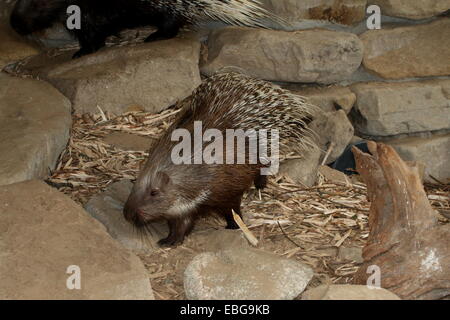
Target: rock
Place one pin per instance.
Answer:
(412, 9)
(126, 141)
(356, 139)
(327, 98)
(35, 122)
(303, 56)
(407, 52)
(433, 151)
(5, 10)
(13, 48)
(107, 208)
(55, 37)
(330, 127)
(340, 11)
(348, 292)
(334, 176)
(302, 171)
(386, 109)
(333, 128)
(244, 274)
(154, 75)
(43, 232)
(351, 254)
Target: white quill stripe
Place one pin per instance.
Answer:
(248, 13)
(182, 205)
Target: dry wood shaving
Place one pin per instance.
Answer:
(306, 224)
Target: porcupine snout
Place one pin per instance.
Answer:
(132, 213)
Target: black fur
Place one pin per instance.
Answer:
(99, 19)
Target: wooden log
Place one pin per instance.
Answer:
(406, 242)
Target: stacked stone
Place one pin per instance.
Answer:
(390, 84)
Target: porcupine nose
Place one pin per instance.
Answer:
(129, 212)
(132, 213)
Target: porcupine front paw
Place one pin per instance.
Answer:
(82, 52)
(169, 242)
(231, 224)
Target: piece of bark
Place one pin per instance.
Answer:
(406, 242)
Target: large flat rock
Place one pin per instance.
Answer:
(387, 109)
(244, 274)
(152, 75)
(412, 9)
(43, 232)
(407, 52)
(35, 121)
(302, 56)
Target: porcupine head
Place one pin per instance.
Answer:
(34, 15)
(165, 193)
(150, 198)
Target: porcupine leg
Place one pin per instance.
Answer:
(178, 230)
(90, 40)
(260, 181)
(228, 215)
(166, 30)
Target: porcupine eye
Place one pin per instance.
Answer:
(154, 192)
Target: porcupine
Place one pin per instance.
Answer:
(180, 193)
(102, 18)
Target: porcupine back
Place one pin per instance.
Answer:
(250, 13)
(235, 101)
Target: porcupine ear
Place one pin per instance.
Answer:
(164, 181)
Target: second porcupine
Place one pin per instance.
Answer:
(103, 18)
(179, 193)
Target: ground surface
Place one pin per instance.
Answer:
(306, 224)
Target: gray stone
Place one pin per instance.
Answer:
(333, 128)
(13, 48)
(386, 109)
(433, 151)
(327, 98)
(334, 176)
(35, 122)
(55, 37)
(302, 171)
(348, 292)
(407, 52)
(303, 56)
(339, 11)
(412, 9)
(244, 274)
(107, 207)
(43, 232)
(153, 75)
